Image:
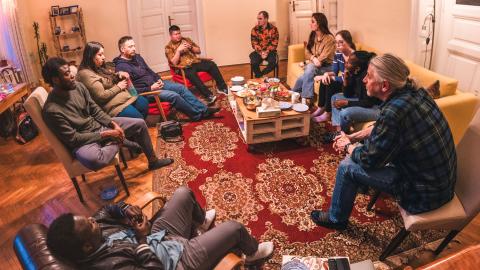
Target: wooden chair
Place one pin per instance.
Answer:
(11, 75)
(466, 259)
(30, 244)
(464, 206)
(182, 78)
(34, 105)
(264, 63)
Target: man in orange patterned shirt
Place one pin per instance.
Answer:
(264, 39)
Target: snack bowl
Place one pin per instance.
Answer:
(238, 80)
(273, 81)
(251, 102)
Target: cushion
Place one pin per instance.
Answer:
(434, 89)
(425, 77)
(178, 78)
(450, 216)
(153, 109)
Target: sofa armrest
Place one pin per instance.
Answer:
(459, 110)
(296, 53)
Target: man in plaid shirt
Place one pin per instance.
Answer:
(264, 39)
(408, 153)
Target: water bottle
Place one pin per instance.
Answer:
(131, 89)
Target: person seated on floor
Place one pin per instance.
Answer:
(408, 153)
(85, 129)
(107, 89)
(145, 80)
(353, 105)
(331, 82)
(184, 52)
(319, 51)
(264, 38)
(121, 237)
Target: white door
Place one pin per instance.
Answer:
(458, 45)
(149, 21)
(300, 13)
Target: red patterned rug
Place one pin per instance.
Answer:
(273, 191)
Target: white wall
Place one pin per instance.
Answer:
(382, 24)
(228, 24)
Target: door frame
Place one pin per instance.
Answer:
(133, 24)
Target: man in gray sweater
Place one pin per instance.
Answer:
(90, 134)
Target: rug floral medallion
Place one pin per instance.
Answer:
(272, 191)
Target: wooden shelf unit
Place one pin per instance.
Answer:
(75, 40)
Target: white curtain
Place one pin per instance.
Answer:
(11, 41)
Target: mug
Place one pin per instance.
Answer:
(295, 97)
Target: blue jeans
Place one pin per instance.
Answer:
(348, 116)
(304, 83)
(182, 99)
(349, 176)
(138, 109)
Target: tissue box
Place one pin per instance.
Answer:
(269, 112)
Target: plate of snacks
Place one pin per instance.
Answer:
(245, 92)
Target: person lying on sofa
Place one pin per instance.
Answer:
(145, 79)
(409, 152)
(264, 38)
(183, 51)
(319, 51)
(84, 128)
(121, 237)
(331, 82)
(353, 105)
(109, 90)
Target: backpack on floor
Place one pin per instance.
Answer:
(26, 128)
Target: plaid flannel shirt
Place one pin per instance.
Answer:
(413, 135)
(264, 39)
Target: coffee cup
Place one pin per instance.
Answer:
(295, 97)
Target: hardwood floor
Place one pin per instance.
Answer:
(36, 189)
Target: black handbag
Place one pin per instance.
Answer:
(170, 131)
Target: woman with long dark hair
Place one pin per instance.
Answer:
(331, 81)
(319, 51)
(109, 89)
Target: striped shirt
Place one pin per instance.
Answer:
(413, 135)
(338, 66)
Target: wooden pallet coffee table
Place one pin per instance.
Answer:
(290, 124)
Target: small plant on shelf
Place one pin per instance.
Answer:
(41, 46)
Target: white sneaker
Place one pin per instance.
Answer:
(209, 218)
(265, 249)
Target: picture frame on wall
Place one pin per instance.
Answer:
(55, 11)
(64, 10)
(73, 9)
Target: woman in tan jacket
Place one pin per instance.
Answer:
(109, 89)
(319, 52)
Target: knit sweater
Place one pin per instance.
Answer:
(323, 49)
(74, 117)
(104, 92)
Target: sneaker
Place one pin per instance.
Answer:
(211, 99)
(210, 112)
(323, 219)
(209, 219)
(159, 163)
(264, 250)
(330, 136)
